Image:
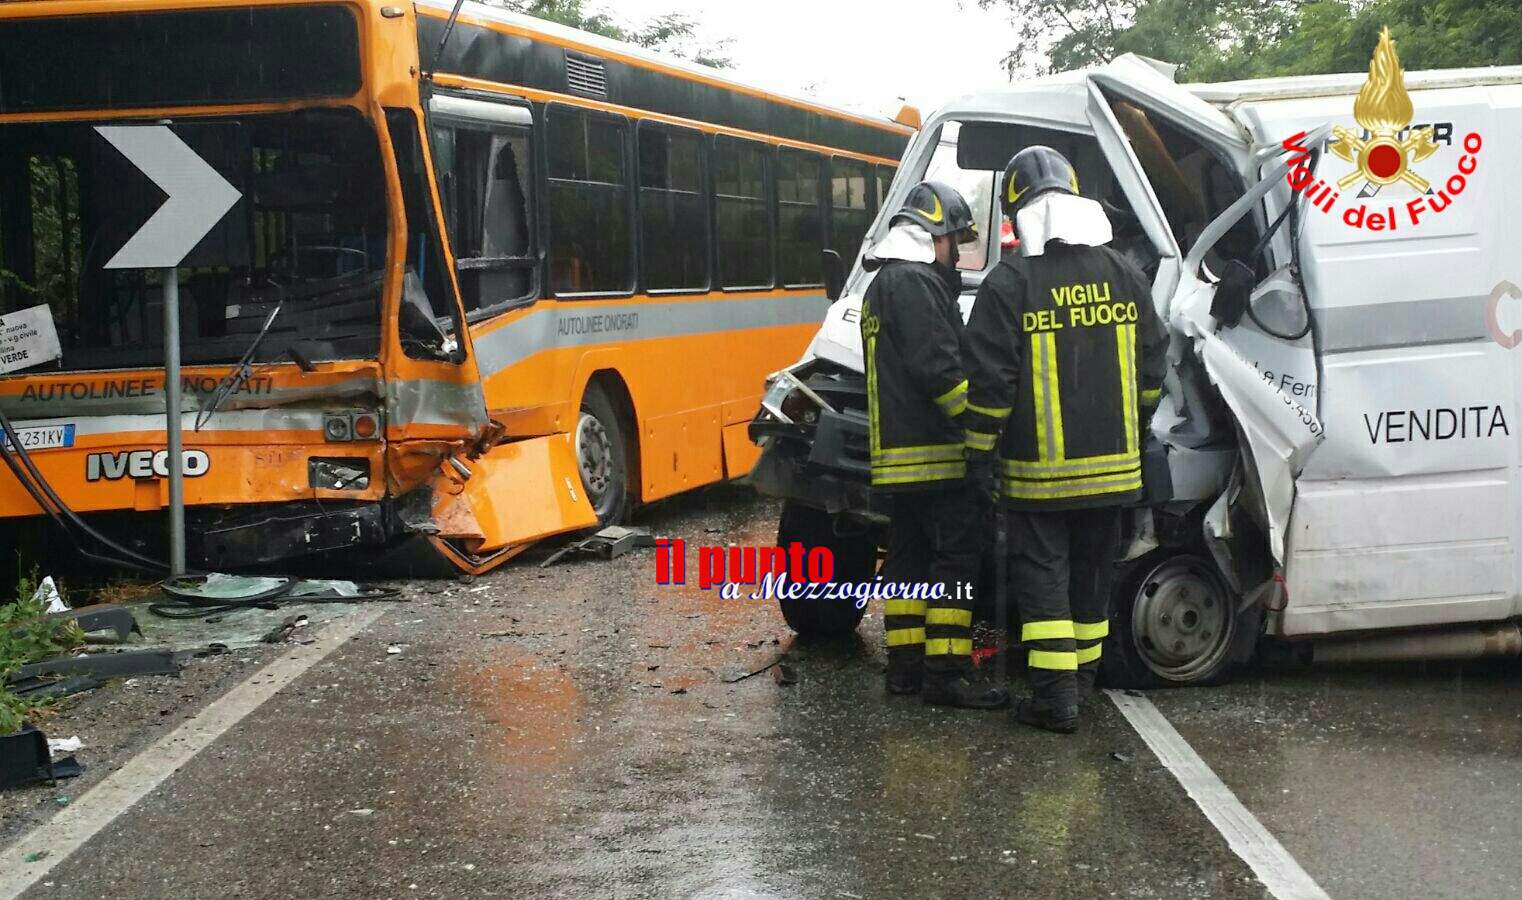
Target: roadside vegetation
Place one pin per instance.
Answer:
(28, 635)
(1223, 40)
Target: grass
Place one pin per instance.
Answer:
(123, 590)
(28, 635)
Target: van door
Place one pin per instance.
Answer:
(1409, 514)
(1196, 161)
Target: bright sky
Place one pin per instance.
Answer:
(857, 53)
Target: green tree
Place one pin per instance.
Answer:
(672, 33)
(1215, 40)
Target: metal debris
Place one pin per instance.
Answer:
(609, 543)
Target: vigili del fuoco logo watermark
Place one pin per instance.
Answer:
(1387, 151)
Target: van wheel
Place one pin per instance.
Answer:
(1173, 622)
(855, 561)
(602, 456)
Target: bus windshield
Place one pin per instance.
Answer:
(309, 237)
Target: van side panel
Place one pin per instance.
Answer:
(1408, 514)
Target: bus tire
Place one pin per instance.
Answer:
(855, 561)
(1174, 621)
(602, 455)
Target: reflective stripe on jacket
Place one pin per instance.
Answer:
(911, 332)
(1066, 360)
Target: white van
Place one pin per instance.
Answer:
(1337, 454)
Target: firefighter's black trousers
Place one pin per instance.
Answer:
(1061, 567)
(937, 539)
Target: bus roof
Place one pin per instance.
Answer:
(642, 57)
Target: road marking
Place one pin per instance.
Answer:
(1247, 837)
(96, 808)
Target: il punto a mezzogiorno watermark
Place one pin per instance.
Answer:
(793, 572)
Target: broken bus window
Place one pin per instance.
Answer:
(309, 236)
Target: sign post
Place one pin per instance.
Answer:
(198, 199)
(176, 461)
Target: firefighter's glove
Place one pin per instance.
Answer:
(980, 473)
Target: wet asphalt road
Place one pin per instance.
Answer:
(573, 732)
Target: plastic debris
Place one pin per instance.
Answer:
(65, 745)
(47, 592)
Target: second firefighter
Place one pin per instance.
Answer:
(1065, 355)
(911, 329)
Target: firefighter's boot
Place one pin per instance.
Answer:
(962, 689)
(1062, 720)
(906, 673)
(1088, 689)
(904, 628)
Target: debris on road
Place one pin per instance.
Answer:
(785, 675)
(157, 661)
(215, 594)
(25, 759)
(94, 621)
(65, 745)
(609, 543)
(734, 679)
(282, 632)
(40, 689)
(47, 593)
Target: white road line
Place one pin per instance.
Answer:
(96, 808)
(1273, 865)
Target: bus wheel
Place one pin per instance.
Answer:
(1173, 622)
(602, 456)
(855, 562)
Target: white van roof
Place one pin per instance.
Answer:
(1052, 97)
(1333, 85)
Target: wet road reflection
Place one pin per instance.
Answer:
(1377, 778)
(579, 731)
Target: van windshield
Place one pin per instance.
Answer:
(976, 186)
(308, 236)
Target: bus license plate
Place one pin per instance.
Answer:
(43, 437)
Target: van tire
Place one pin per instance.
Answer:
(855, 561)
(602, 456)
(1174, 622)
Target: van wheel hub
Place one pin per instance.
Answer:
(1181, 622)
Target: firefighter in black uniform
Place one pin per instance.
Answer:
(1065, 356)
(911, 329)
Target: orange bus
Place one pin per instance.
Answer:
(489, 280)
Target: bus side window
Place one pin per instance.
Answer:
(851, 206)
(674, 235)
(591, 242)
(429, 320)
(800, 235)
(884, 182)
(744, 225)
(484, 178)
